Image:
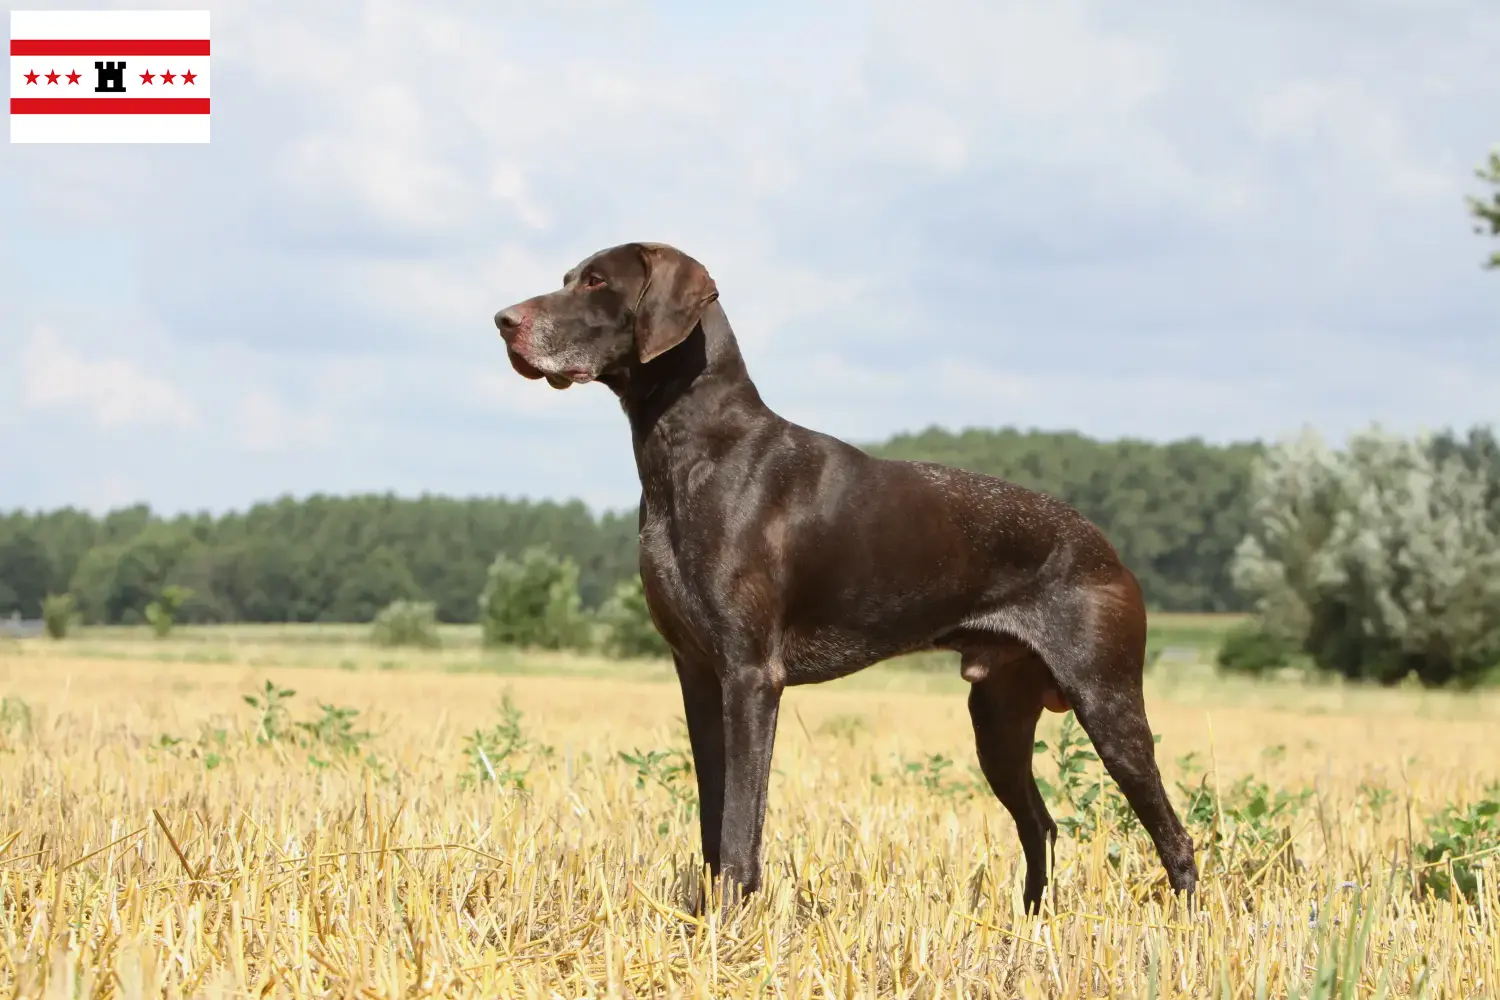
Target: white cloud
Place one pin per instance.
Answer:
(381, 158)
(110, 493)
(113, 391)
(265, 424)
(456, 294)
(1035, 62)
(1362, 134)
(967, 82)
(509, 185)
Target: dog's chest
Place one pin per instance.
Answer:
(675, 608)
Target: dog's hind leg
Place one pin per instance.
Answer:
(1004, 705)
(1117, 726)
(1098, 658)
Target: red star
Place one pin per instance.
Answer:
(73, 77)
(31, 78)
(189, 77)
(147, 76)
(167, 76)
(52, 77)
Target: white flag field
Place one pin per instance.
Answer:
(109, 76)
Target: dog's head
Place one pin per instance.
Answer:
(621, 306)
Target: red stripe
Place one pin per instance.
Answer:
(109, 105)
(105, 47)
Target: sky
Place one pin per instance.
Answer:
(1155, 220)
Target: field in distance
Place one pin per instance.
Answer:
(289, 811)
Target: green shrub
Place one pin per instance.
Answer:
(329, 739)
(533, 601)
(671, 770)
(15, 719)
(59, 612)
(502, 754)
(1250, 648)
(162, 612)
(1457, 841)
(406, 623)
(629, 630)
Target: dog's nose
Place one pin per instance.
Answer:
(509, 321)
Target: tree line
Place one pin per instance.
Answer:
(319, 559)
(1176, 511)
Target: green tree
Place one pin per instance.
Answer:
(59, 611)
(533, 601)
(1380, 561)
(629, 628)
(1294, 505)
(117, 580)
(65, 535)
(195, 571)
(1479, 451)
(263, 580)
(1486, 210)
(25, 575)
(370, 584)
(93, 582)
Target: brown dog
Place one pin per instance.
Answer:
(774, 555)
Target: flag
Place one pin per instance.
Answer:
(109, 76)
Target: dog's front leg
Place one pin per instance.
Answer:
(751, 702)
(703, 706)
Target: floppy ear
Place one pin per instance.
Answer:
(676, 292)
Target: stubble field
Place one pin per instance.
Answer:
(160, 834)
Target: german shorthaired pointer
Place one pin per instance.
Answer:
(773, 555)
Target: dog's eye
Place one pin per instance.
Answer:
(592, 281)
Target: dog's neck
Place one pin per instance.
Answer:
(688, 406)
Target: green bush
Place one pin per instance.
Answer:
(502, 754)
(59, 612)
(629, 630)
(1250, 648)
(406, 623)
(1457, 840)
(162, 612)
(533, 601)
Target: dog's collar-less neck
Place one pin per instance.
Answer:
(696, 393)
(708, 358)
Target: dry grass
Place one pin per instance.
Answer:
(287, 868)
